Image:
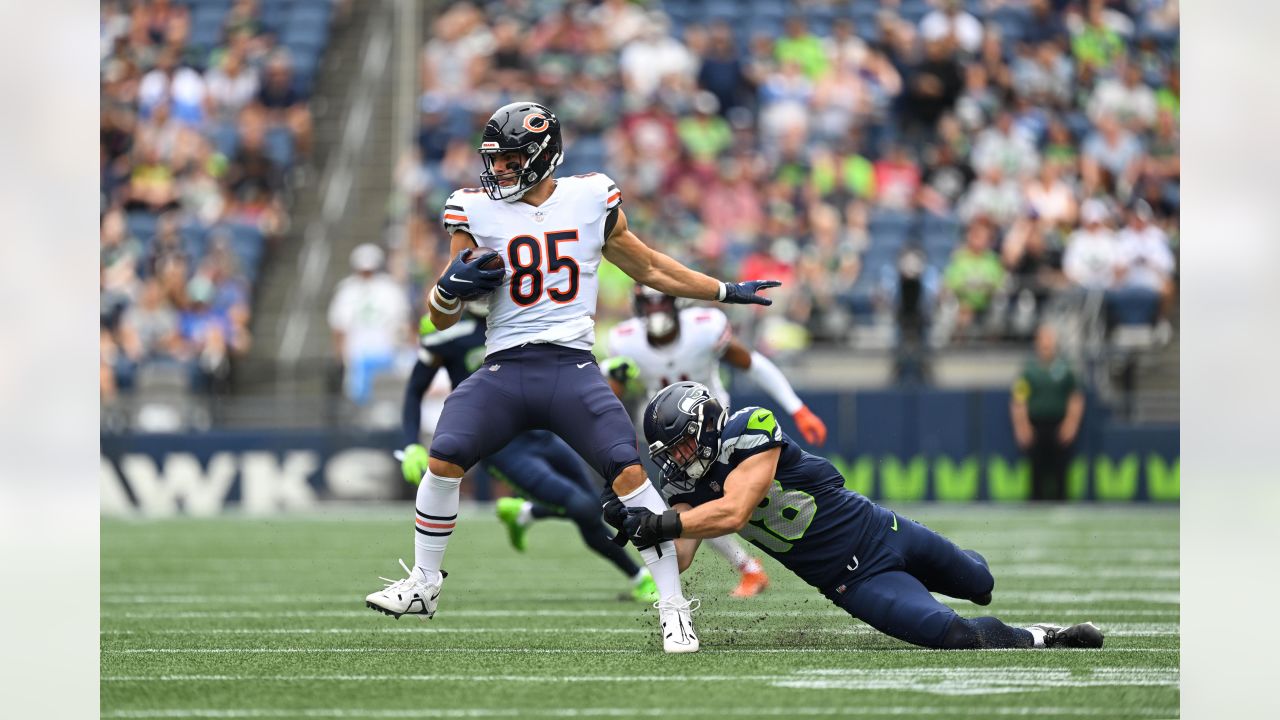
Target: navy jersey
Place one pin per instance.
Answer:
(458, 349)
(808, 521)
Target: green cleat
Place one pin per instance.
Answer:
(645, 591)
(509, 513)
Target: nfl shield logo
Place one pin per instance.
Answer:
(539, 216)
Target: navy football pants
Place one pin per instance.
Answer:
(537, 387)
(892, 593)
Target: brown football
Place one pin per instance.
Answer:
(492, 261)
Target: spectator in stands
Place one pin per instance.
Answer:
(897, 177)
(721, 71)
(280, 103)
(453, 60)
(1051, 198)
(211, 336)
(1045, 25)
(369, 321)
(1145, 260)
(1034, 267)
(621, 20)
(952, 22)
(1004, 146)
(232, 85)
(1046, 408)
(180, 86)
(652, 56)
(1125, 98)
(946, 179)
(992, 196)
(932, 86)
(1111, 159)
(1043, 74)
(149, 330)
(704, 134)
(974, 276)
(798, 45)
(1092, 257)
(1096, 45)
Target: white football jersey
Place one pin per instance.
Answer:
(552, 253)
(695, 354)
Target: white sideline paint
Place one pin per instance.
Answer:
(781, 711)
(935, 681)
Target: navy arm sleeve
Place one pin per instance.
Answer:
(411, 419)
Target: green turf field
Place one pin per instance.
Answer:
(248, 618)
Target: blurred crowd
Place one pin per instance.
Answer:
(970, 160)
(203, 119)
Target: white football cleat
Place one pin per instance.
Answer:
(676, 618)
(410, 596)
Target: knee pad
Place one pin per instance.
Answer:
(961, 635)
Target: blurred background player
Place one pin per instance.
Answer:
(537, 462)
(663, 344)
(741, 473)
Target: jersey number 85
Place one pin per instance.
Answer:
(524, 254)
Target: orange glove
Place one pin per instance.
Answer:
(811, 426)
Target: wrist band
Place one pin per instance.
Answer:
(439, 302)
(724, 291)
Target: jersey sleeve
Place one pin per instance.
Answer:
(612, 195)
(455, 216)
(750, 431)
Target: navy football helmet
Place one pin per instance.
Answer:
(682, 425)
(529, 129)
(659, 311)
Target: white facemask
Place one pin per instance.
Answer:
(659, 324)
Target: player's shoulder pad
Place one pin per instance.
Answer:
(748, 431)
(623, 335)
(457, 209)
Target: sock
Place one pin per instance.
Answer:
(732, 551)
(436, 515)
(526, 513)
(661, 559)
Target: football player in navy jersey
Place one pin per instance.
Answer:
(740, 473)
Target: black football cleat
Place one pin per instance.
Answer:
(1084, 635)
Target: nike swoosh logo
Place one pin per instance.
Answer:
(761, 416)
(455, 278)
(582, 365)
(895, 522)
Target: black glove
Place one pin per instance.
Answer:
(464, 279)
(646, 529)
(615, 515)
(746, 293)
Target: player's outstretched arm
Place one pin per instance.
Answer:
(653, 269)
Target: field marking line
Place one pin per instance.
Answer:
(1165, 629)
(620, 613)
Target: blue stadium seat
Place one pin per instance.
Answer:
(195, 239)
(913, 11)
(890, 223)
(1133, 306)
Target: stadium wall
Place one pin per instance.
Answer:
(891, 445)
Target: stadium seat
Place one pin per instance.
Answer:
(225, 138)
(1133, 306)
(913, 11)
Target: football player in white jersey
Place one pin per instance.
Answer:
(530, 245)
(664, 344)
